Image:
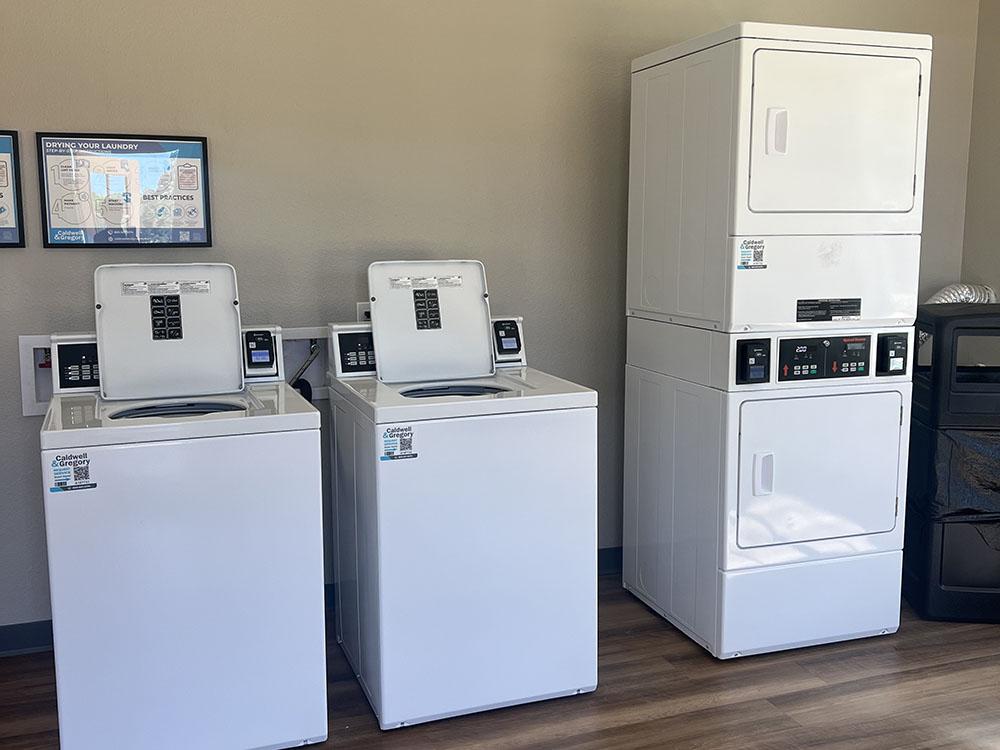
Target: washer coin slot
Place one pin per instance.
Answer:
(259, 349)
(506, 337)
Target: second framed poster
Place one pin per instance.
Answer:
(124, 190)
(11, 215)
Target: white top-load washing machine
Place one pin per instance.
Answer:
(183, 515)
(466, 504)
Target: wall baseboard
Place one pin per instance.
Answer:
(28, 637)
(25, 637)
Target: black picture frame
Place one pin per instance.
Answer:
(47, 242)
(18, 195)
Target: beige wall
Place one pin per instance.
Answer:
(347, 132)
(981, 257)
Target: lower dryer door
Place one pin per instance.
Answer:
(818, 467)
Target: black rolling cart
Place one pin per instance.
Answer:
(951, 557)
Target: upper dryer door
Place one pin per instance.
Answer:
(835, 141)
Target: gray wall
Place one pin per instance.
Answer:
(347, 132)
(981, 257)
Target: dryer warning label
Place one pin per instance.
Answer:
(814, 310)
(397, 443)
(71, 471)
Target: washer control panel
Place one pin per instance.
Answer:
(77, 366)
(357, 352)
(823, 357)
(753, 361)
(890, 356)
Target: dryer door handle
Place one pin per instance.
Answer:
(763, 473)
(776, 141)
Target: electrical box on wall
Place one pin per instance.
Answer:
(36, 374)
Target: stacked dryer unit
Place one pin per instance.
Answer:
(775, 202)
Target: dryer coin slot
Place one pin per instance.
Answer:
(890, 356)
(753, 361)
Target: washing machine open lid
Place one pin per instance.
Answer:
(430, 320)
(167, 330)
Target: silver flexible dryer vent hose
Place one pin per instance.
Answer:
(963, 293)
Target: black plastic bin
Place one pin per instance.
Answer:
(951, 557)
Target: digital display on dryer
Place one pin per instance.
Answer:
(824, 357)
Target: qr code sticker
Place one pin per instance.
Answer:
(81, 473)
(758, 256)
(406, 443)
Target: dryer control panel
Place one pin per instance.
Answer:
(824, 357)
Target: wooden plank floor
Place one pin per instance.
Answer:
(932, 685)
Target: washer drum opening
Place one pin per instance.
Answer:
(175, 409)
(430, 391)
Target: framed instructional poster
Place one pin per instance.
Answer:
(11, 215)
(124, 190)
